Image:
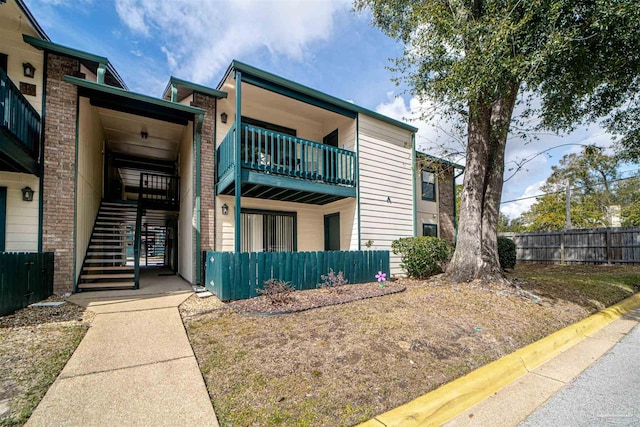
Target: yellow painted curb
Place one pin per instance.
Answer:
(450, 400)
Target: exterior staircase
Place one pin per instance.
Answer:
(109, 262)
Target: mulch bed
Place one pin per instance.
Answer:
(316, 298)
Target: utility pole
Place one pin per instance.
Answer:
(568, 205)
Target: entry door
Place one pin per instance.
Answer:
(3, 217)
(330, 158)
(332, 232)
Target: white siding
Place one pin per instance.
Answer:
(386, 190)
(348, 210)
(22, 217)
(186, 221)
(12, 26)
(89, 184)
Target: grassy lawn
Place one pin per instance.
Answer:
(35, 344)
(344, 364)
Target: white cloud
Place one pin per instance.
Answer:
(515, 209)
(200, 38)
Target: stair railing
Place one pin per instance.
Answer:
(137, 245)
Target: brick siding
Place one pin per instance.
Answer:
(446, 203)
(59, 168)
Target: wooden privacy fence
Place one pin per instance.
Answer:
(25, 278)
(590, 246)
(231, 275)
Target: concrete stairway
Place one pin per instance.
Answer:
(106, 265)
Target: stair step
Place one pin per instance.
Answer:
(108, 234)
(99, 246)
(98, 254)
(107, 276)
(105, 261)
(106, 268)
(102, 285)
(100, 240)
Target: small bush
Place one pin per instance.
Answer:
(333, 280)
(422, 257)
(278, 292)
(506, 252)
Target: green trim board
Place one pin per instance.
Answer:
(75, 200)
(193, 87)
(357, 177)
(413, 184)
(237, 165)
(290, 88)
(439, 160)
(254, 177)
(103, 62)
(125, 95)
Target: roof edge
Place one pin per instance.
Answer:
(441, 160)
(194, 87)
(32, 20)
(305, 90)
(131, 95)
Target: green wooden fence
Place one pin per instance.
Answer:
(232, 275)
(25, 278)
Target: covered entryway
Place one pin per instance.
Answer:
(136, 160)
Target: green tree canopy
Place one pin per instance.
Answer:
(478, 58)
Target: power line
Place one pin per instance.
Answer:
(562, 191)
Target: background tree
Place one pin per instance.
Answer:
(474, 57)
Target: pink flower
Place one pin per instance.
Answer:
(381, 276)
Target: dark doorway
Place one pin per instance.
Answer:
(332, 232)
(330, 167)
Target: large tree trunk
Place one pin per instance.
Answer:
(476, 254)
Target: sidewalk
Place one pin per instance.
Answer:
(576, 398)
(135, 365)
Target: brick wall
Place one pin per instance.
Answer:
(446, 203)
(59, 168)
(207, 170)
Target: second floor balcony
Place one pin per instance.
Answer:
(20, 129)
(279, 166)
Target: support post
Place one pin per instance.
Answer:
(102, 69)
(568, 205)
(237, 165)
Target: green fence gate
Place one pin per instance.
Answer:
(232, 275)
(25, 278)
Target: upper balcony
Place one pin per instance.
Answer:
(278, 166)
(19, 130)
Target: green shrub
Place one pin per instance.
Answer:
(506, 252)
(422, 256)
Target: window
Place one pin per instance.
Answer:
(430, 230)
(429, 185)
(266, 231)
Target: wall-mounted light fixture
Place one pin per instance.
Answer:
(27, 194)
(225, 209)
(28, 69)
(224, 117)
(144, 135)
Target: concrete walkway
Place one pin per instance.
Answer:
(515, 402)
(135, 365)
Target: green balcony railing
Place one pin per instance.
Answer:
(18, 117)
(281, 154)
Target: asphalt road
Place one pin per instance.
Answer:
(605, 394)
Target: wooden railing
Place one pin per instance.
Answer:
(18, 116)
(232, 275)
(281, 154)
(160, 189)
(25, 278)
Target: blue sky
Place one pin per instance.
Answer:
(319, 43)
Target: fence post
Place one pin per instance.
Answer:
(562, 247)
(608, 242)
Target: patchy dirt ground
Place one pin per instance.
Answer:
(35, 344)
(343, 364)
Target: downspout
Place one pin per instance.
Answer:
(198, 243)
(455, 214)
(237, 158)
(413, 184)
